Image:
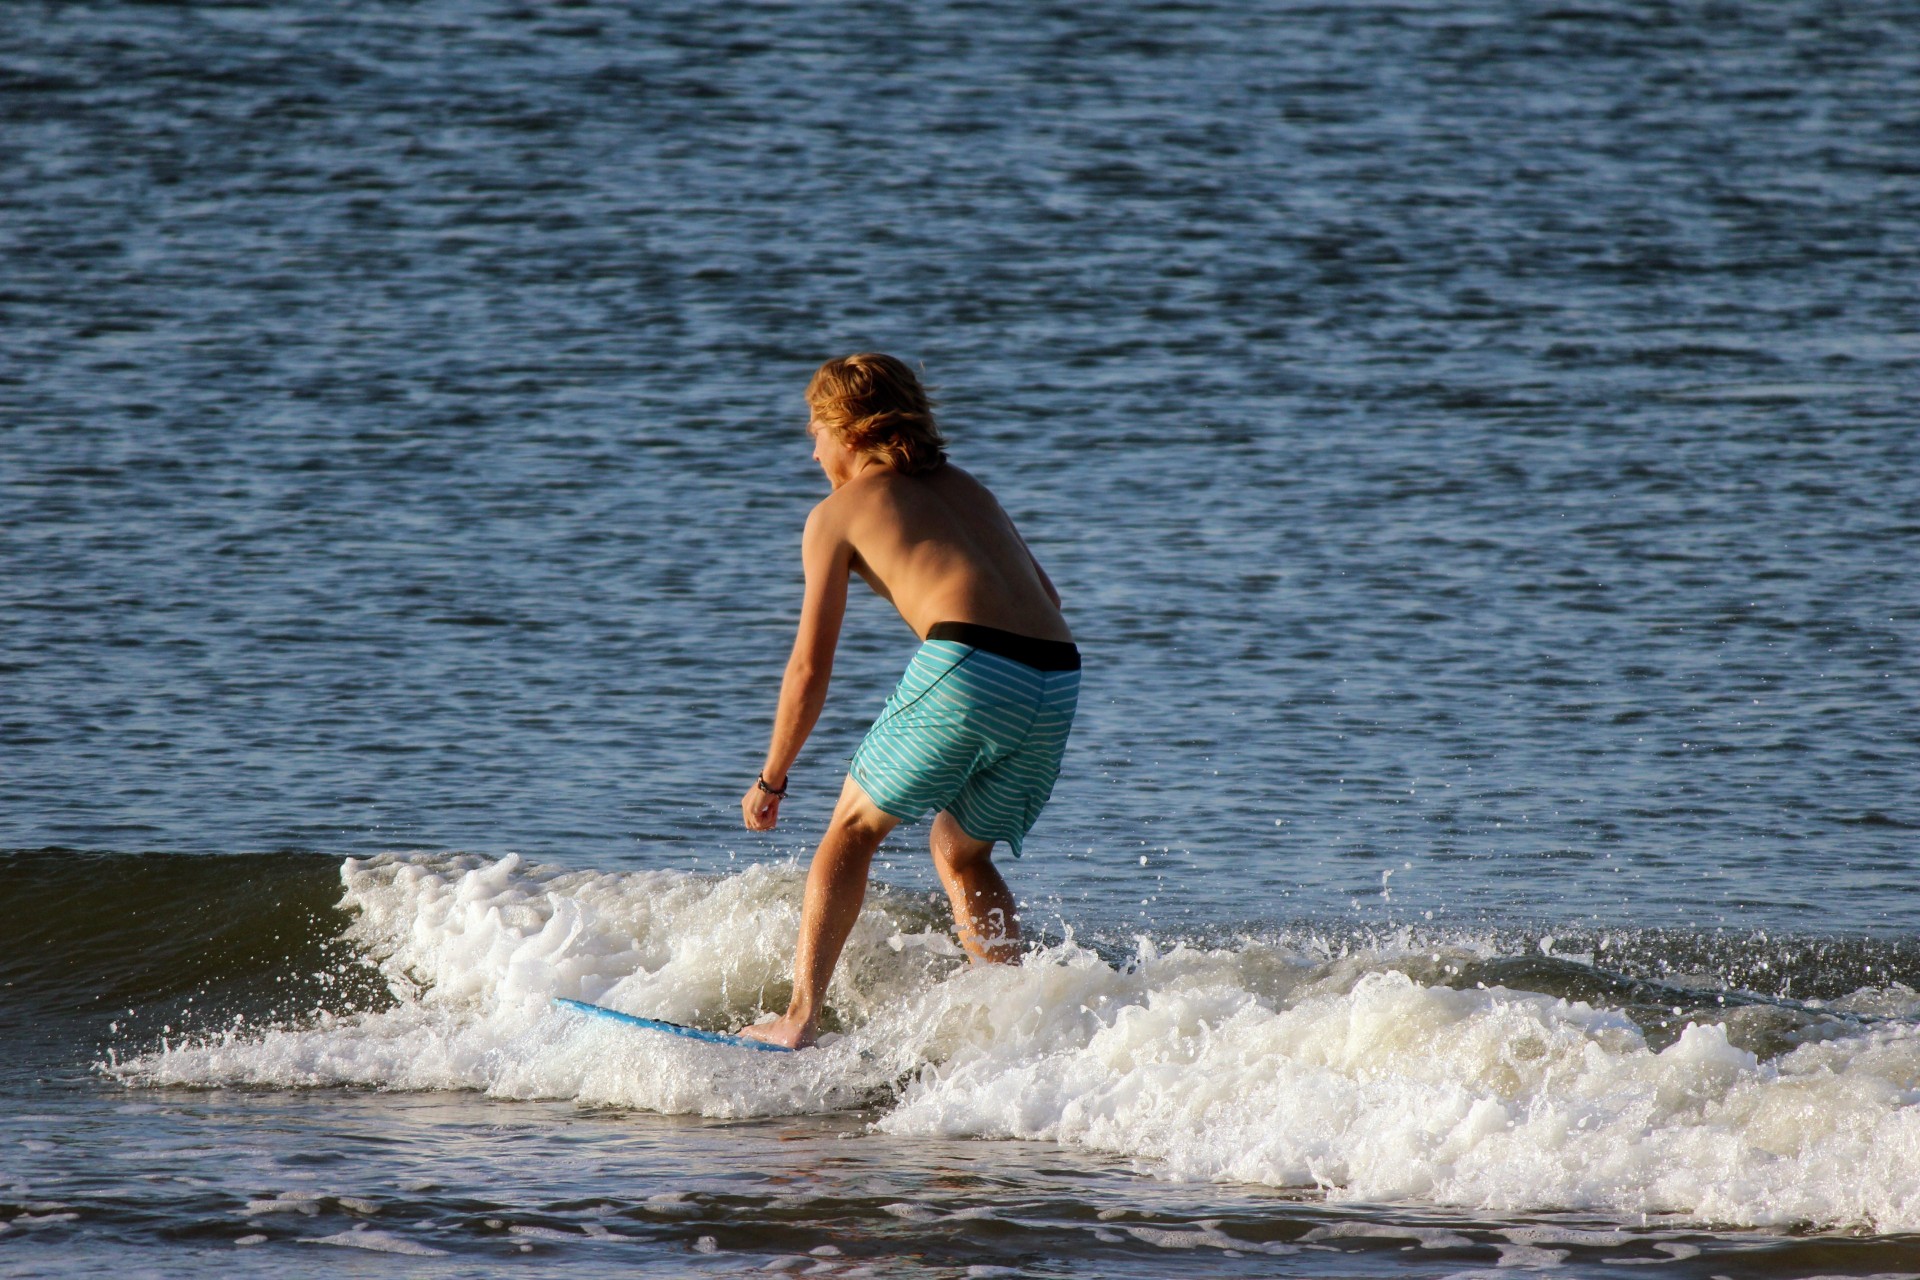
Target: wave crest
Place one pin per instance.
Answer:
(1359, 1074)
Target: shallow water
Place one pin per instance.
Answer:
(549, 1187)
(1475, 445)
(390, 1075)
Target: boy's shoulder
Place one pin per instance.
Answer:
(889, 495)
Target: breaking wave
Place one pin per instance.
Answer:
(1503, 1074)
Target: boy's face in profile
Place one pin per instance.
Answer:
(834, 457)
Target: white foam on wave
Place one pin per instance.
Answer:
(1388, 1090)
(377, 1242)
(1248, 1064)
(475, 950)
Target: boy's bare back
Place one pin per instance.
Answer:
(942, 549)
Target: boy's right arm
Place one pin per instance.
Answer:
(827, 558)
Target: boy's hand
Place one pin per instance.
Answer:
(759, 808)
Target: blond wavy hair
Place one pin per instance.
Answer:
(875, 405)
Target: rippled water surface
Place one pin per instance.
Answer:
(1475, 443)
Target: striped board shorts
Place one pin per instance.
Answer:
(974, 731)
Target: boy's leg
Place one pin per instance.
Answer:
(836, 886)
(983, 907)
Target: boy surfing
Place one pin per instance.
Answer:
(976, 727)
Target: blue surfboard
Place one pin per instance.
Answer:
(671, 1028)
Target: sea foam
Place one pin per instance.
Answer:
(1248, 1064)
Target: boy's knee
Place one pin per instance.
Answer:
(856, 816)
(955, 850)
(862, 822)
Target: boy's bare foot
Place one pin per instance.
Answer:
(786, 1031)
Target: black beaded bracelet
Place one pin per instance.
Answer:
(761, 782)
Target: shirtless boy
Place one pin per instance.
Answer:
(977, 725)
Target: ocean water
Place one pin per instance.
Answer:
(1476, 446)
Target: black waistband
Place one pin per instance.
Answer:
(1041, 655)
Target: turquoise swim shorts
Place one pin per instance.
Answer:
(973, 731)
